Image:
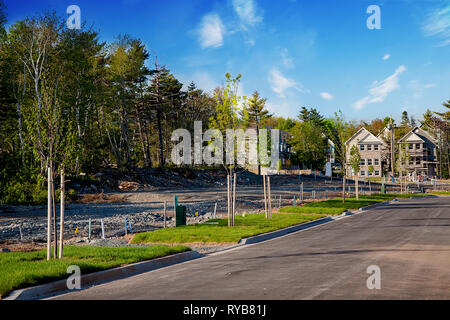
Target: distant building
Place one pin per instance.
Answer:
(417, 154)
(371, 150)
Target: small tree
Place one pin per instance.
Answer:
(227, 105)
(355, 163)
(255, 113)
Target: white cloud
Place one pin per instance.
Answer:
(380, 90)
(438, 25)
(211, 31)
(326, 96)
(286, 59)
(386, 56)
(279, 83)
(248, 12)
(429, 85)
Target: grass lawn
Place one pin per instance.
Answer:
(441, 193)
(24, 269)
(250, 225)
(390, 196)
(336, 207)
(350, 203)
(308, 210)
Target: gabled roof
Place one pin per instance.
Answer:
(384, 132)
(366, 137)
(415, 135)
(411, 137)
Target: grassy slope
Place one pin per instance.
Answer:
(23, 269)
(250, 225)
(441, 193)
(335, 206)
(309, 210)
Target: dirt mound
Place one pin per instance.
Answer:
(110, 180)
(102, 198)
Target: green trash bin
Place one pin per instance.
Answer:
(383, 188)
(180, 219)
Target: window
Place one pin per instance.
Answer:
(375, 147)
(369, 162)
(418, 161)
(377, 173)
(376, 161)
(363, 173)
(370, 173)
(363, 162)
(369, 147)
(417, 145)
(411, 146)
(361, 147)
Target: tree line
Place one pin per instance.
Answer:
(69, 100)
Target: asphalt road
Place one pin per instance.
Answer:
(409, 241)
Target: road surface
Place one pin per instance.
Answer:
(409, 241)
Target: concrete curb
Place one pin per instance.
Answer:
(91, 279)
(282, 232)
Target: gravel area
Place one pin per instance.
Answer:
(144, 209)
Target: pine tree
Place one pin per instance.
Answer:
(254, 113)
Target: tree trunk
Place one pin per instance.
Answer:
(265, 196)
(257, 143)
(357, 187)
(343, 185)
(49, 211)
(61, 210)
(270, 197)
(234, 199)
(55, 226)
(228, 199)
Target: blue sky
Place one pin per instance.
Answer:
(295, 53)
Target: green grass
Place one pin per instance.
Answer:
(349, 204)
(309, 210)
(441, 193)
(250, 225)
(24, 269)
(336, 207)
(390, 196)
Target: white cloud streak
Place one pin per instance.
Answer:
(380, 90)
(386, 56)
(211, 31)
(248, 12)
(438, 25)
(279, 83)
